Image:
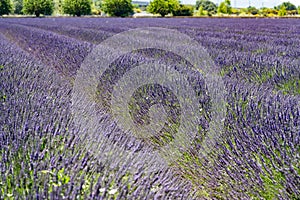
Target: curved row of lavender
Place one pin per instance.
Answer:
(257, 155)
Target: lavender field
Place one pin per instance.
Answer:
(45, 154)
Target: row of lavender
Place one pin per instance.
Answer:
(259, 150)
(271, 47)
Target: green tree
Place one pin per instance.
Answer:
(288, 6)
(117, 8)
(38, 7)
(252, 10)
(18, 6)
(201, 12)
(183, 10)
(207, 5)
(163, 7)
(298, 10)
(77, 7)
(282, 11)
(225, 7)
(5, 7)
(222, 8)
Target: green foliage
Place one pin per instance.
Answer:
(137, 10)
(206, 5)
(225, 7)
(118, 8)
(38, 7)
(268, 11)
(287, 5)
(96, 7)
(252, 10)
(236, 11)
(163, 7)
(183, 10)
(57, 178)
(272, 182)
(5, 7)
(96, 11)
(18, 6)
(291, 12)
(11, 187)
(228, 2)
(201, 11)
(263, 76)
(77, 7)
(222, 8)
(3, 97)
(292, 86)
(282, 11)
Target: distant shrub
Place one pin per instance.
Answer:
(163, 7)
(183, 10)
(118, 8)
(288, 6)
(207, 5)
(252, 10)
(38, 7)
(270, 12)
(225, 7)
(5, 7)
(77, 7)
(236, 11)
(96, 12)
(291, 12)
(282, 11)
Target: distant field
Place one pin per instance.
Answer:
(43, 146)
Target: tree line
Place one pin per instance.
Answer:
(124, 8)
(206, 7)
